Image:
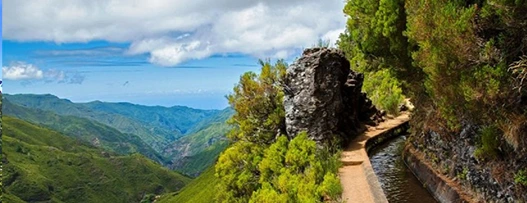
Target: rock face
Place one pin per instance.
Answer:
(491, 181)
(323, 97)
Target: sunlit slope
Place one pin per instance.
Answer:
(42, 165)
(200, 190)
(89, 131)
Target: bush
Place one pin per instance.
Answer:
(293, 170)
(489, 143)
(384, 91)
(521, 177)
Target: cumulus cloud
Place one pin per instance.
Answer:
(30, 73)
(174, 31)
(333, 36)
(20, 71)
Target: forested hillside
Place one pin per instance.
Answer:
(463, 64)
(181, 138)
(89, 131)
(199, 150)
(157, 126)
(41, 165)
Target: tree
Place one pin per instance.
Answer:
(257, 100)
(262, 165)
(374, 41)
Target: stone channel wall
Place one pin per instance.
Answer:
(386, 135)
(373, 180)
(438, 187)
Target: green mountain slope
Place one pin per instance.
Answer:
(41, 165)
(220, 117)
(176, 118)
(157, 126)
(190, 153)
(196, 152)
(197, 191)
(89, 131)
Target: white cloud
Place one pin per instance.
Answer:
(23, 71)
(333, 36)
(20, 71)
(173, 31)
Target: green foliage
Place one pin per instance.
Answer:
(384, 90)
(464, 57)
(293, 170)
(457, 60)
(330, 187)
(56, 168)
(236, 169)
(463, 174)
(521, 177)
(489, 143)
(257, 100)
(261, 166)
(375, 45)
(268, 195)
(199, 190)
(446, 41)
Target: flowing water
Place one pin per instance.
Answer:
(397, 181)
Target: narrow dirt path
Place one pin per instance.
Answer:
(359, 182)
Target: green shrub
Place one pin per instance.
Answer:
(521, 177)
(489, 143)
(463, 174)
(384, 91)
(293, 170)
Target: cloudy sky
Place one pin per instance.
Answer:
(155, 52)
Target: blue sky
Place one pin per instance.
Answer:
(99, 71)
(153, 53)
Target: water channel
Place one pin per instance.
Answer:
(397, 181)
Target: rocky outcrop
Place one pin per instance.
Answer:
(488, 180)
(323, 97)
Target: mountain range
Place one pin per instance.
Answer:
(181, 138)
